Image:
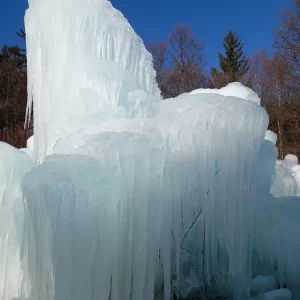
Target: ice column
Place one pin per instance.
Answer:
(85, 65)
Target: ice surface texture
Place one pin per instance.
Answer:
(139, 197)
(85, 65)
(287, 177)
(14, 281)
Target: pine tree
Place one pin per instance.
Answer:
(22, 52)
(234, 65)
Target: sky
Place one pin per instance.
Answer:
(153, 20)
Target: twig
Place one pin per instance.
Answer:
(173, 236)
(191, 227)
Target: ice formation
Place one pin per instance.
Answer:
(95, 68)
(14, 164)
(234, 89)
(189, 129)
(271, 136)
(262, 284)
(280, 294)
(287, 177)
(131, 197)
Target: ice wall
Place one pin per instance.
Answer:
(14, 280)
(85, 65)
(141, 197)
(265, 177)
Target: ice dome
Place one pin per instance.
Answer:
(271, 136)
(234, 89)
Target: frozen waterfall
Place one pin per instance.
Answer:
(92, 65)
(126, 196)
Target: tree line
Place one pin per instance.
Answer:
(181, 67)
(13, 94)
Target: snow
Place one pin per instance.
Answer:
(291, 160)
(129, 196)
(271, 136)
(234, 89)
(287, 177)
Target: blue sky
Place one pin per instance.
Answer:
(253, 20)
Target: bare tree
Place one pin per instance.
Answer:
(159, 52)
(179, 64)
(287, 41)
(271, 79)
(187, 54)
(13, 96)
(257, 72)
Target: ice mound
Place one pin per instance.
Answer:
(135, 198)
(291, 160)
(279, 247)
(14, 164)
(164, 174)
(271, 136)
(287, 177)
(280, 294)
(106, 71)
(261, 284)
(234, 89)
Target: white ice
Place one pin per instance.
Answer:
(132, 196)
(14, 281)
(95, 68)
(287, 177)
(155, 162)
(271, 136)
(234, 89)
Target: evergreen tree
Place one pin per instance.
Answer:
(234, 64)
(22, 52)
(13, 86)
